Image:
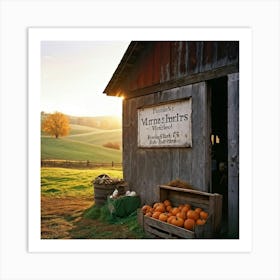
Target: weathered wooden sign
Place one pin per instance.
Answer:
(166, 125)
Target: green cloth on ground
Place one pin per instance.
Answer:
(123, 206)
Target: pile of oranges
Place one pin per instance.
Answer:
(182, 216)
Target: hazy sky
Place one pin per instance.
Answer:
(74, 75)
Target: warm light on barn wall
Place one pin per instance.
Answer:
(120, 94)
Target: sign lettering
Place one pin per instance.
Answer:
(167, 125)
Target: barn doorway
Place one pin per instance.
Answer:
(219, 142)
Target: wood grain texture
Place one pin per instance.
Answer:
(145, 168)
(165, 230)
(183, 81)
(233, 155)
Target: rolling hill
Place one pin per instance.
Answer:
(83, 143)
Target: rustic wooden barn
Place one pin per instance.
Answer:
(193, 87)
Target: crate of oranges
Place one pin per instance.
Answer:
(182, 213)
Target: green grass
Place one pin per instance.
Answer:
(98, 137)
(62, 182)
(102, 214)
(63, 148)
(83, 143)
(80, 129)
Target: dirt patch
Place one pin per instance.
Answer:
(59, 215)
(94, 229)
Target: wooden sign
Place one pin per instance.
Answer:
(166, 125)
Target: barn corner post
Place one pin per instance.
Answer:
(233, 155)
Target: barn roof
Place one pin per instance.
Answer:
(154, 66)
(126, 63)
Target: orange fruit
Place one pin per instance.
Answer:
(156, 215)
(200, 222)
(157, 204)
(192, 215)
(189, 224)
(198, 210)
(181, 215)
(149, 214)
(175, 210)
(170, 218)
(203, 215)
(186, 208)
(163, 217)
(166, 203)
(146, 208)
(160, 208)
(168, 208)
(177, 221)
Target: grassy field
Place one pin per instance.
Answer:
(64, 182)
(66, 149)
(68, 210)
(83, 143)
(95, 136)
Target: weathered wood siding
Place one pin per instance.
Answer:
(233, 154)
(165, 61)
(145, 168)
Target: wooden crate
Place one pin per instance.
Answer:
(211, 203)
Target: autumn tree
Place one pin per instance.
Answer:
(56, 124)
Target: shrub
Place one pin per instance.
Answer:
(112, 145)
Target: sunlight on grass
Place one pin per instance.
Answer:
(61, 182)
(69, 149)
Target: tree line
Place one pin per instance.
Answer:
(102, 122)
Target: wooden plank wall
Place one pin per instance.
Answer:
(164, 61)
(233, 155)
(145, 168)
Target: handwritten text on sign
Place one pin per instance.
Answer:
(167, 125)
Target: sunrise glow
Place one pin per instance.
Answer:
(74, 75)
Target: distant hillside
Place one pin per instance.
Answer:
(95, 136)
(85, 142)
(66, 149)
(106, 122)
(102, 122)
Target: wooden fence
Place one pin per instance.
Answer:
(83, 164)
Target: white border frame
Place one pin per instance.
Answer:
(243, 35)
(262, 16)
